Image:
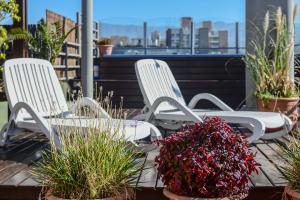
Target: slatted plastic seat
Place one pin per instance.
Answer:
(37, 103)
(166, 107)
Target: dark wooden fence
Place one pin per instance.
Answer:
(221, 75)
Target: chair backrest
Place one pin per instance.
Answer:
(34, 82)
(156, 80)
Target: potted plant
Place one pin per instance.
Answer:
(205, 160)
(291, 171)
(105, 46)
(270, 65)
(90, 164)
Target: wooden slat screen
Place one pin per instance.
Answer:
(223, 76)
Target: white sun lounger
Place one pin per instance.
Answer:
(37, 104)
(166, 107)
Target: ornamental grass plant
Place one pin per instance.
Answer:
(291, 171)
(270, 59)
(91, 163)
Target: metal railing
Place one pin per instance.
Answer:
(190, 46)
(175, 51)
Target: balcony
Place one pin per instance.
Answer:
(200, 64)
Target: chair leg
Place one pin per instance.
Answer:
(4, 135)
(3, 138)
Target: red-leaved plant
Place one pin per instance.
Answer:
(206, 160)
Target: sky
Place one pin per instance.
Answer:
(135, 11)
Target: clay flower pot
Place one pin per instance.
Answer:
(287, 106)
(127, 195)
(173, 196)
(291, 193)
(105, 50)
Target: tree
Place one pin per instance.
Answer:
(8, 9)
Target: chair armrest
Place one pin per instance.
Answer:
(213, 99)
(89, 102)
(41, 122)
(257, 125)
(183, 108)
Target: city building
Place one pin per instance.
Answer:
(207, 24)
(186, 23)
(210, 41)
(206, 39)
(202, 40)
(223, 40)
(180, 37)
(173, 38)
(155, 39)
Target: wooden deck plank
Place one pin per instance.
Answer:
(259, 180)
(136, 178)
(5, 163)
(29, 182)
(149, 174)
(17, 178)
(159, 183)
(272, 171)
(276, 147)
(274, 156)
(10, 171)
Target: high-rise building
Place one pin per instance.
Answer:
(206, 40)
(202, 40)
(185, 32)
(209, 41)
(180, 37)
(223, 39)
(173, 38)
(185, 37)
(207, 24)
(155, 38)
(186, 22)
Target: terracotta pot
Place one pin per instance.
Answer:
(287, 106)
(128, 195)
(105, 49)
(292, 194)
(173, 196)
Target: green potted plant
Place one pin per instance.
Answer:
(270, 65)
(48, 40)
(105, 46)
(292, 170)
(90, 164)
(205, 161)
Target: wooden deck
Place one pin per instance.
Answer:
(23, 150)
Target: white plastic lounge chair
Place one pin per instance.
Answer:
(166, 107)
(37, 104)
